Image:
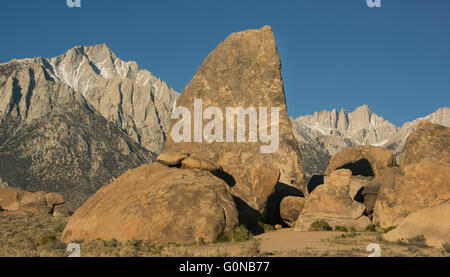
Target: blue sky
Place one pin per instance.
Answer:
(335, 53)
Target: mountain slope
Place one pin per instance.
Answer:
(71, 124)
(139, 103)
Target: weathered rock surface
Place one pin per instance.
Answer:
(263, 179)
(171, 159)
(340, 178)
(290, 209)
(397, 141)
(194, 163)
(333, 205)
(421, 181)
(157, 203)
(243, 71)
(433, 223)
(39, 202)
(429, 142)
(362, 160)
(358, 184)
(408, 189)
(61, 211)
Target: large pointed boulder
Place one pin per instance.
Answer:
(244, 71)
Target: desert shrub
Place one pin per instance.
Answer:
(268, 228)
(223, 238)
(340, 229)
(46, 239)
(370, 228)
(446, 247)
(388, 229)
(241, 233)
(201, 241)
(56, 245)
(111, 243)
(349, 235)
(418, 241)
(320, 225)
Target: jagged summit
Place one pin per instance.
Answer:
(362, 125)
(325, 133)
(134, 99)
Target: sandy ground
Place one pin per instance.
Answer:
(37, 236)
(289, 243)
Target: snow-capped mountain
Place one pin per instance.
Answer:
(72, 123)
(134, 99)
(325, 133)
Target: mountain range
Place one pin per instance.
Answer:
(73, 123)
(323, 134)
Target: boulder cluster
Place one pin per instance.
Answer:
(197, 191)
(364, 187)
(42, 203)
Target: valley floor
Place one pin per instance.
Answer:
(26, 235)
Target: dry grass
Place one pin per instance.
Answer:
(26, 235)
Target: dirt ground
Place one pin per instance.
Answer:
(289, 243)
(26, 235)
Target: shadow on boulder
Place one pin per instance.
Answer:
(227, 177)
(315, 181)
(248, 216)
(282, 190)
(361, 167)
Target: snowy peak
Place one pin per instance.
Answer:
(362, 125)
(325, 133)
(136, 101)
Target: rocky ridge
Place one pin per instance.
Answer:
(322, 135)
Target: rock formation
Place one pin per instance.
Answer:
(429, 142)
(332, 204)
(433, 223)
(397, 141)
(159, 204)
(38, 203)
(362, 160)
(290, 209)
(244, 71)
(421, 181)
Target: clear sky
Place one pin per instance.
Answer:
(335, 53)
